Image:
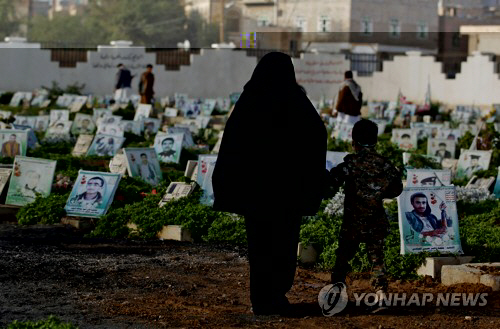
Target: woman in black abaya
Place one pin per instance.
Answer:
(271, 170)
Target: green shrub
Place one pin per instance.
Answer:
(480, 235)
(51, 322)
(47, 210)
(227, 229)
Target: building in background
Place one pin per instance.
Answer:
(71, 7)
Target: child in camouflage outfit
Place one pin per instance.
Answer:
(369, 178)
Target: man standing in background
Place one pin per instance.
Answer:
(348, 100)
(123, 83)
(146, 85)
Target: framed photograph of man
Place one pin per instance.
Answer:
(471, 161)
(65, 100)
(143, 163)
(108, 120)
(466, 127)
(133, 127)
(31, 177)
(4, 115)
(432, 129)
(442, 148)
(171, 112)
(83, 124)
(82, 145)
(203, 163)
(78, 103)
(25, 120)
(59, 131)
(4, 177)
(428, 177)
(334, 158)
(92, 193)
(193, 108)
(58, 116)
(142, 112)
(450, 134)
(223, 104)
(208, 107)
(151, 125)
(168, 147)
(101, 113)
(38, 100)
(207, 198)
(14, 142)
(19, 97)
(105, 145)
(176, 190)
(32, 140)
(42, 123)
(428, 220)
(114, 129)
(180, 101)
(406, 139)
(187, 140)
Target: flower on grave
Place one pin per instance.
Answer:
(335, 206)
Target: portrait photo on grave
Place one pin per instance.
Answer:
(82, 124)
(168, 147)
(143, 111)
(92, 193)
(112, 129)
(14, 142)
(82, 145)
(58, 116)
(105, 145)
(428, 220)
(42, 123)
(471, 161)
(441, 148)
(406, 139)
(143, 163)
(59, 131)
(31, 177)
(428, 177)
(130, 126)
(4, 177)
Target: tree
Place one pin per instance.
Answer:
(9, 23)
(199, 33)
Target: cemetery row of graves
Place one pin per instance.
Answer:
(134, 168)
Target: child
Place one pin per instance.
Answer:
(369, 178)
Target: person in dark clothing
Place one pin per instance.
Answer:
(369, 178)
(146, 85)
(245, 184)
(348, 100)
(123, 84)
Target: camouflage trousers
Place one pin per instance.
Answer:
(350, 237)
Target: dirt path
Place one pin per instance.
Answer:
(117, 284)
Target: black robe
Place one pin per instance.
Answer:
(273, 151)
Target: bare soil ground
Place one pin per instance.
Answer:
(96, 283)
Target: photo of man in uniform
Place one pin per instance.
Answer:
(421, 218)
(84, 127)
(405, 142)
(92, 197)
(11, 148)
(442, 153)
(429, 181)
(474, 165)
(167, 153)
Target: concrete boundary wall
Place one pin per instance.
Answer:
(219, 72)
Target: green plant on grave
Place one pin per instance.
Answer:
(419, 161)
(227, 229)
(48, 210)
(51, 322)
(480, 235)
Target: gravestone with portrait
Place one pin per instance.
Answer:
(105, 145)
(428, 220)
(13, 142)
(442, 148)
(471, 161)
(143, 163)
(30, 177)
(428, 177)
(168, 147)
(406, 139)
(92, 194)
(83, 124)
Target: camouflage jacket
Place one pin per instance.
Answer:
(369, 178)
